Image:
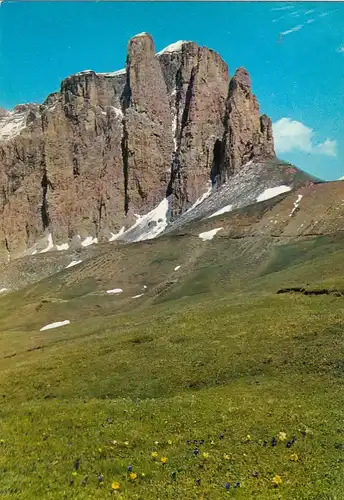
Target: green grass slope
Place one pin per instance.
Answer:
(232, 385)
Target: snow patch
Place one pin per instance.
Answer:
(50, 245)
(63, 246)
(144, 33)
(114, 291)
(222, 210)
(115, 236)
(209, 235)
(114, 73)
(89, 241)
(73, 263)
(145, 286)
(55, 325)
(137, 296)
(272, 192)
(12, 124)
(118, 112)
(151, 224)
(201, 198)
(173, 47)
(85, 71)
(3, 290)
(296, 204)
(176, 268)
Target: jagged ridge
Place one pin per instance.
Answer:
(109, 146)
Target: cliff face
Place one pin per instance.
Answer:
(108, 146)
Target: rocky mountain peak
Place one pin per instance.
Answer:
(109, 147)
(241, 78)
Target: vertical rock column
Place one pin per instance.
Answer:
(147, 139)
(198, 80)
(248, 136)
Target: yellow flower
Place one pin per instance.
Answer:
(126, 443)
(169, 441)
(205, 454)
(143, 474)
(74, 473)
(156, 443)
(100, 450)
(133, 475)
(115, 485)
(248, 437)
(277, 480)
(226, 457)
(164, 460)
(154, 454)
(294, 457)
(212, 442)
(282, 436)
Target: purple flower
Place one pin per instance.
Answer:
(227, 486)
(273, 441)
(100, 478)
(198, 482)
(221, 436)
(201, 441)
(195, 441)
(293, 439)
(174, 476)
(196, 452)
(289, 444)
(130, 468)
(76, 464)
(237, 484)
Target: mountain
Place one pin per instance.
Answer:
(107, 148)
(196, 349)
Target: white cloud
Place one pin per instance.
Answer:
(341, 49)
(286, 7)
(292, 30)
(291, 135)
(327, 148)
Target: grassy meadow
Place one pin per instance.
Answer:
(209, 386)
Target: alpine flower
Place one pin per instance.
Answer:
(277, 480)
(115, 485)
(164, 460)
(282, 436)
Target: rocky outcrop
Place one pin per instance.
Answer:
(111, 145)
(147, 139)
(248, 135)
(197, 81)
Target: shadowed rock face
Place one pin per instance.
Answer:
(109, 145)
(197, 81)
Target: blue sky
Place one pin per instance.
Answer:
(293, 51)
